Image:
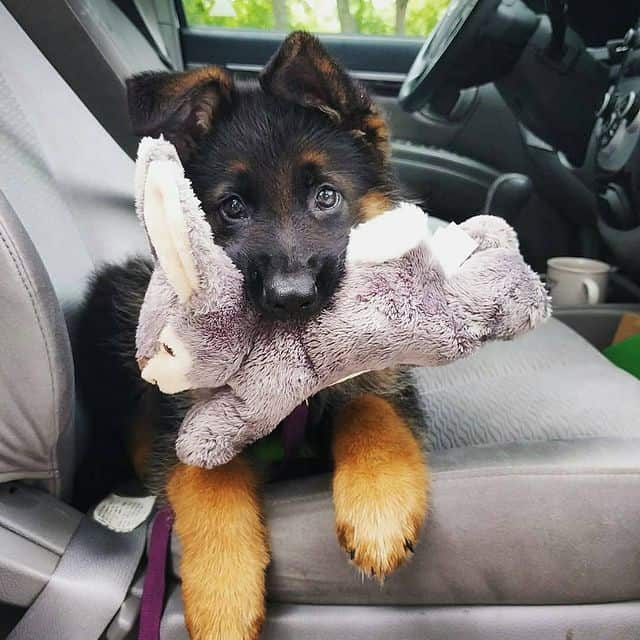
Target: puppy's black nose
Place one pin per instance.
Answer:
(289, 294)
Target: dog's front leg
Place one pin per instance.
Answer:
(224, 550)
(380, 485)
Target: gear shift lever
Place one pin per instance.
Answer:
(508, 195)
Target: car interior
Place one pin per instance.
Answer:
(527, 110)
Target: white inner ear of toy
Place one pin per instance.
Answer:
(167, 227)
(388, 236)
(169, 370)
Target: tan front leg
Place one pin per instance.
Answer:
(224, 550)
(380, 485)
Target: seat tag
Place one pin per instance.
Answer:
(123, 513)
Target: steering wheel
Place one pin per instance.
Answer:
(448, 52)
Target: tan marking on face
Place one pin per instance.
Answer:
(237, 166)
(375, 129)
(372, 204)
(314, 156)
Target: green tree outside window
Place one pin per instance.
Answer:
(367, 17)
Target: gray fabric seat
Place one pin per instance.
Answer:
(100, 49)
(534, 502)
(537, 523)
(547, 385)
(535, 483)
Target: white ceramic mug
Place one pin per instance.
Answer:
(577, 280)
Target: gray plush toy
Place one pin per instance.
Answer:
(402, 301)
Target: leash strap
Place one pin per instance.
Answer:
(153, 590)
(293, 428)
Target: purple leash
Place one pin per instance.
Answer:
(154, 581)
(293, 430)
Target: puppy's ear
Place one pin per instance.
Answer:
(302, 71)
(181, 106)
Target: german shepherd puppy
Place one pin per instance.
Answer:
(284, 170)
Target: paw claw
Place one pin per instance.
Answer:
(375, 547)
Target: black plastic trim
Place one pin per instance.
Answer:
(213, 45)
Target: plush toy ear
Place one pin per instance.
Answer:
(167, 228)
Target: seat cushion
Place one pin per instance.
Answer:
(70, 187)
(95, 49)
(65, 177)
(531, 523)
(547, 384)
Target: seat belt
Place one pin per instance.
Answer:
(87, 587)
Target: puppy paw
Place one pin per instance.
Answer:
(378, 537)
(380, 487)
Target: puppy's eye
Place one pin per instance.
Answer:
(232, 208)
(327, 198)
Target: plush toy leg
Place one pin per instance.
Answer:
(491, 232)
(224, 550)
(217, 429)
(380, 485)
(495, 296)
(214, 431)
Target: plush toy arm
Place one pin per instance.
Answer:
(491, 232)
(214, 431)
(274, 379)
(495, 296)
(388, 236)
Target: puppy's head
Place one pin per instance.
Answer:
(283, 169)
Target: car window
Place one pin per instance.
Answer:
(366, 17)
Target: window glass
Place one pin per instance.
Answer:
(366, 17)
